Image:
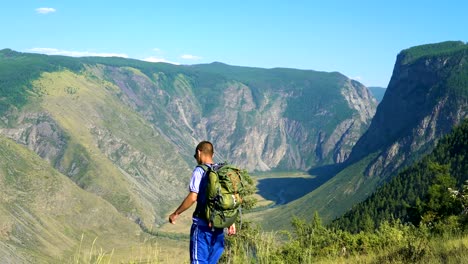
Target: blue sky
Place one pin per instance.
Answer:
(360, 39)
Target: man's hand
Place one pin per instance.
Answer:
(232, 230)
(186, 203)
(173, 218)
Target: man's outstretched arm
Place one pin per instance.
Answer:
(188, 201)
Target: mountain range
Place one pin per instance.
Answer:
(122, 132)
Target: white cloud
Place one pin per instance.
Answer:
(357, 78)
(156, 59)
(45, 10)
(51, 51)
(190, 57)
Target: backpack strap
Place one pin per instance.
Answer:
(198, 213)
(204, 167)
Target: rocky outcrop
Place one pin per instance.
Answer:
(40, 133)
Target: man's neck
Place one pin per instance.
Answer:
(208, 161)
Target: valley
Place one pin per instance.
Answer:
(281, 188)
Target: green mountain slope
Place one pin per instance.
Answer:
(407, 192)
(121, 152)
(43, 214)
(426, 97)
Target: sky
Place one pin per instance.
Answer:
(359, 38)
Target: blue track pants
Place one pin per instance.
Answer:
(206, 245)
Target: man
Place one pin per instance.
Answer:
(206, 243)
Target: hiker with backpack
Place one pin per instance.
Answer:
(216, 188)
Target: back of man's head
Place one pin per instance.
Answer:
(206, 147)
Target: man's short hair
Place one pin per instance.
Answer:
(205, 147)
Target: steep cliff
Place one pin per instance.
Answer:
(426, 97)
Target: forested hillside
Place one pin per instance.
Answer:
(421, 192)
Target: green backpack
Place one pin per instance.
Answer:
(224, 195)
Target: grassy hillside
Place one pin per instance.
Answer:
(112, 139)
(329, 199)
(43, 214)
(17, 70)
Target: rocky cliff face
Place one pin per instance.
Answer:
(424, 100)
(40, 133)
(250, 126)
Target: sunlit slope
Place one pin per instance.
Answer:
(43, 214)
(112, 151)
